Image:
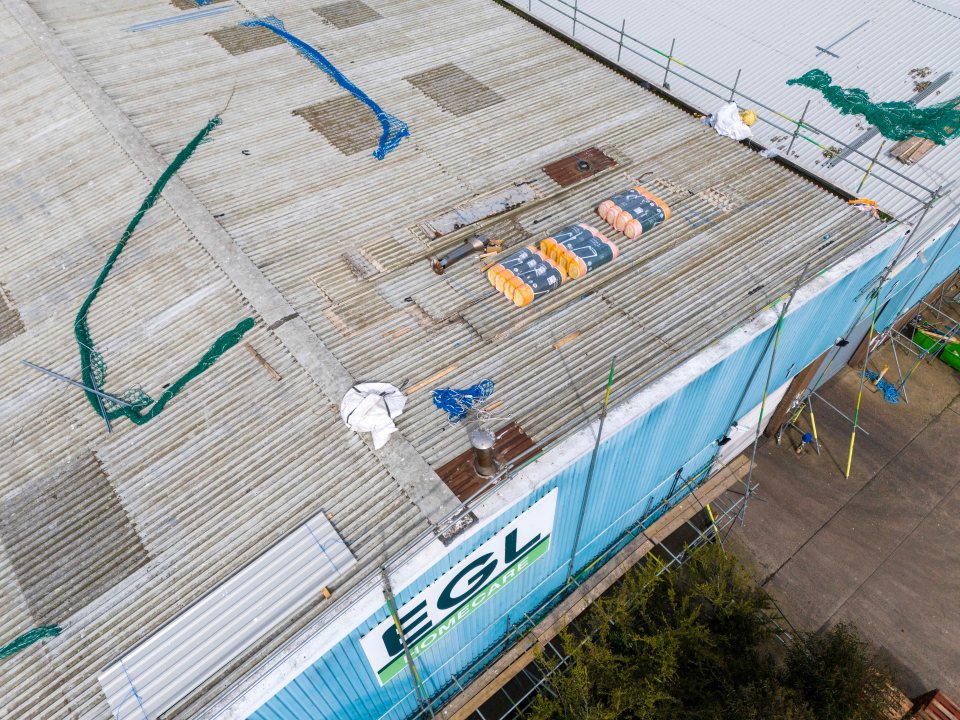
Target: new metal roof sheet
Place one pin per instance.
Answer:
(889, 48)
(199, 642)
(240, 459)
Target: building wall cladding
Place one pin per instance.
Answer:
(921, 276)
(636, 470)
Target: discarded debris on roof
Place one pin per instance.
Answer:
(457, 403)
(373, 408)
(479, 208)
(911, 150)
(732, 122)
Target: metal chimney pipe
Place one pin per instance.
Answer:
(484, 460)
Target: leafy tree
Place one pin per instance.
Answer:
(837, 674)
(697, 643)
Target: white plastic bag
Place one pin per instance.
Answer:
(726, 121)
(372, 407)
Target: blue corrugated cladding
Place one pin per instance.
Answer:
(915, 281)
(636, 470)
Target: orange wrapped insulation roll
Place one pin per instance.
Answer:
(526, 275)
(578, 249)
(634, 212)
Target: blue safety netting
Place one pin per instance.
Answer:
(394, 129)
(456, 403)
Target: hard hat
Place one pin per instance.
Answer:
(749, 117)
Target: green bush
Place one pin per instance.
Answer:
(836, 674)
(698, 643)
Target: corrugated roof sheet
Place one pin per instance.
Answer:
(234, 464)
(888, 48)
(240, 459)
(199, 642)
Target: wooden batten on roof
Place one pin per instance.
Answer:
(911, 150)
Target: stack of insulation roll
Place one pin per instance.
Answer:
(526, 275)
(634, 212)
(579, 249)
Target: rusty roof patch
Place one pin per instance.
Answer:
(578, 166)
(347, 14)
(240, 39)
(345, 122)
(453, 89)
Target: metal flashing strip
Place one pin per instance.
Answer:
(164, 668)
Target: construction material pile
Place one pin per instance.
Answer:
(576, 250)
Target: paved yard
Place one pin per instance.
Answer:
(882, 548)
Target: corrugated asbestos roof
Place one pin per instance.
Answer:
(872, 45)
(239, 459)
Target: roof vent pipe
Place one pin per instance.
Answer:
(484, 461)
(477, 243)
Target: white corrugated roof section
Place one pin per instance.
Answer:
(894, 49)
(203, 639)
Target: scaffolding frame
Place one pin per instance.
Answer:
(806, 401)
(906, 343)
(897, 338)
(873, 340)
(791, 422)
(724, 513)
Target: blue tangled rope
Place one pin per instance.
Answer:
(890, 393)
(456, 403)
(394, 129)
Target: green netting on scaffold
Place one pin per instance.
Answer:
(896, 120)
(93, 369)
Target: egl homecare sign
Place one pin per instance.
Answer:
(442, 605)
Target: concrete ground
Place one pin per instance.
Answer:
(882, 548)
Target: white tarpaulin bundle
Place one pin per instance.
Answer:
(727, 122)
(372, 407)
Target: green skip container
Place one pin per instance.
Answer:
(950, 353)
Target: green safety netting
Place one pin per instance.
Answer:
(895, 120)
(28, 638)
(93, 369)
